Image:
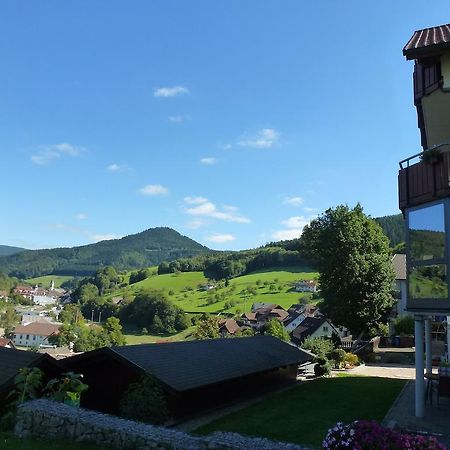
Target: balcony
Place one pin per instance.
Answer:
(424, 177)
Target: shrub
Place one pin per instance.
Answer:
(322, 367)
(351, 359)
(318, 346)
(338, 356)
(404, 325)
(144, 402)
(369, 435)
(66, 390)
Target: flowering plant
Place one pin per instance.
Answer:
(369, 435)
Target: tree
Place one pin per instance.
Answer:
(318, 345)
(207, 328)
(113, 329)
(153, 310)
(353, 258)
(8, 320)
(276, 329)
(70, 314)
(87, 292)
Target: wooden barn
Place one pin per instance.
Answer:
(195, 375)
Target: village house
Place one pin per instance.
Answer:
(34, 334)
(297, 314)
(195, 375)
(228, 327)
(306, 286)
(207, 287)
(6, 343)
(424, 199)
(262, 313)
(313, 327)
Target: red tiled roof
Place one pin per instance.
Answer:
(429, 39)
(281, 313)
(4, 342)
(230, 325)
(250, 315)
(37, 328)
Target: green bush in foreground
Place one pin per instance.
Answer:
(145, 402)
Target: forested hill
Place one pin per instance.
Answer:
(393, 227)
(6, 250)
(147, 248)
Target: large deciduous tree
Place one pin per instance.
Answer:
(353, 257)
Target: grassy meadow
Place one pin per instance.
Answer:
(271, 286)
(134, 336)
(45, 280)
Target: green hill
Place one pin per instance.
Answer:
(6, 250)
(393, 227)
(271, 286)
(143, 249)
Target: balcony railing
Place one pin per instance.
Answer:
(424, 177)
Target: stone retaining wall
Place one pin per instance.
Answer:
(47, 419)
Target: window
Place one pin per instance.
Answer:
(427, 271)
(28, 337)
(325, 329)
(34, 338)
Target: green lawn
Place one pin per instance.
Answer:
(45, 280)
(185, 292)
(9, 442)
(304, 413)
(133, 337)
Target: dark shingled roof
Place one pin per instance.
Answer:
(12, 360)
(192, 364)
(427, 41)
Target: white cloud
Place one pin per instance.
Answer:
(311, 210)
(284, 235)
(294, 228)
(179, 118)
(195, 224)
(227, 146)
(103, 237)
(201, 206)
(265, 138)
(154, 189)
(81, 216)
(115, 168)
(51, 152)
(170, 91)
(293, 201)
(208, 161)
(195, 200)
(296, 222)
(220, 238)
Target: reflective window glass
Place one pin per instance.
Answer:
(427, 233)
(428, 282)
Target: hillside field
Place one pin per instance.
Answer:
(270, 286)
(45, 280)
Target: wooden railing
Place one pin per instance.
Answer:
(426, 180)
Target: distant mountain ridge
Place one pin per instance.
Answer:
(6, 250)
(147, 248)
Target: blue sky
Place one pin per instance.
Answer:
(233, 122)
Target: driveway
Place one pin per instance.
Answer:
(385, 371)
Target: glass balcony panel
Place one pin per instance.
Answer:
(428, 282)
(427, 233)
